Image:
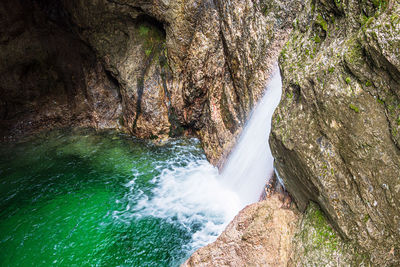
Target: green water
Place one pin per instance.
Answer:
(67, 199)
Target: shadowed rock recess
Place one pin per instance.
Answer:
(335, 134)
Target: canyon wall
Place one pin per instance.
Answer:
(203, 72)
(335, 134)
(175, 67)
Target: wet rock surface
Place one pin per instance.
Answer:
(335, 132)
(215, 58)
(260, 235)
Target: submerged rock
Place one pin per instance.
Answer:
(335, 133)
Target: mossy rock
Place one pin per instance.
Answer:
(316, 243)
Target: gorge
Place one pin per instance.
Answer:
(79, 78)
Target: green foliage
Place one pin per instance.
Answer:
(331, 69)
(296, 24)
(394, 132)
(364, 19)
(338, 3)
(369, 22)
(366, 218)
(278, 119)
(348, 80)
(355, 108)
(380, 101)
(395, 19)
(354, 51)
(368, 84)
(152, 39)
(283, 52)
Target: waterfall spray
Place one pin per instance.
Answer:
(250, 165)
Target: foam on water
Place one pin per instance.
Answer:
(187, 192)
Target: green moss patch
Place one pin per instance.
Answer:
(323, 234)
(317, 243)
(144, 29)
(355, 108)
(321, 22)
(151, 37)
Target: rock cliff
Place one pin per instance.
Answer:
(177, 67)
(203, 72)
(335, 133)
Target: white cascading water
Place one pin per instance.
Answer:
(250, 165)
(200, 199)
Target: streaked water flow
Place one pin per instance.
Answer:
(250, 164)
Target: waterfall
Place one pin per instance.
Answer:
(250, 164)
(191, 193)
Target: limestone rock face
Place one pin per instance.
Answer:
(196, 66)
(335, 134)
(260, 235)
(131, 46)
(204, 73)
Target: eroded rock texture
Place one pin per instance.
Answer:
(335, 133)
(260, 235)
(195, 66)
(214, 58)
